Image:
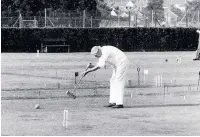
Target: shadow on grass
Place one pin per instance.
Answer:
(164, 105)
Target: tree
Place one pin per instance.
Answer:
(193, 7)
(155, 10)
(32, 7)
(25, 7)
(177, 11)
(6, 7)
(103, 8)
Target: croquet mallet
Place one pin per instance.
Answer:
(71, 94)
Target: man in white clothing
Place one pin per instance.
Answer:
(198, 48)
(119, 62)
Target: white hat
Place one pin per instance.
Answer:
(95, 50)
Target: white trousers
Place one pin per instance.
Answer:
(198, 54)
(117, 83)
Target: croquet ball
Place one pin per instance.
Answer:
(37, 106)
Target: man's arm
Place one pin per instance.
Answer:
(90, 65)
(100, 64)
(91, 70)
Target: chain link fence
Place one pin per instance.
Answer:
(92, 22)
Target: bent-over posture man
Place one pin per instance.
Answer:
(119, 62)
(198, 48)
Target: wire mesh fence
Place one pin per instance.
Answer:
(92, 22)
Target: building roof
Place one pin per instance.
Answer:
(167, 10)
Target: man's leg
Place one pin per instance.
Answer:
(198, 50)
(112, 87)
(198, 54)
(120, 92)
(112, 99)
(120, 82)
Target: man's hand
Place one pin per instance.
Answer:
(84, 73)
(89, 65)
(93, 68)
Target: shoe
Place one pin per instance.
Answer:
(118, 106)
(110, 105)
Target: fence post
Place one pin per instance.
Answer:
(136, 20)
(83, 18)
(75, 23)
(45, 17)
(118, 20)
(129, 18)
(152, 18)
(35, 22)
(20, 21)
(186, 17)
(91, 21)
(198, 18)
(110, 21)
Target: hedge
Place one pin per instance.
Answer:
(82, 39)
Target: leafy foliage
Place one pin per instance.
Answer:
(177, 11)
(193, 6)
(158, 11)
(33, 7)
(83, 39)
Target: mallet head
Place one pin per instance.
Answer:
(71, 95)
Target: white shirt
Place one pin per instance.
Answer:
(112, 56)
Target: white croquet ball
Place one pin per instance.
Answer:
(129, 82)
(37, 106)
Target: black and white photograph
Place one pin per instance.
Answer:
(100, 67)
